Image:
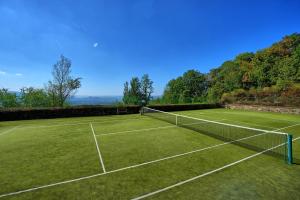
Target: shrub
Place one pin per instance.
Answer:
(76, 111)
(227, 98)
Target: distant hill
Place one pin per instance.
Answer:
(94, 100)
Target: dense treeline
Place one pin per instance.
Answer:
(275, 70)
(55, 94)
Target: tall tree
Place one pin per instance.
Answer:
(173, 91)
(63, 85)
(195, 84)
(146, 88)
(190, 87)
(138, 91)
(135, 91)
(126, 93)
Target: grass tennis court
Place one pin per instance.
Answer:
(129, 156)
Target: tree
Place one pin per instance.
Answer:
(63, 85)
(31, 97)
(195, 84)
(173, 91)
(277, 65)
(135, 91)
(215, 93)
(138, 91)
(126, 93)
(146, 88)
(189, 87)
(51, 90)
(244, 66)
(230, 76)
(8, 99)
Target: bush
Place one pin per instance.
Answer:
(80, 111)
(227, 98)
(274, 95)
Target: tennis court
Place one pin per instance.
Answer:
(141, 156)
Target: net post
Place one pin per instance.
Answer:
(142, 111)
(176, 120)
(290, 149)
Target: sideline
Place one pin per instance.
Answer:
(9, 130)
(98, 149)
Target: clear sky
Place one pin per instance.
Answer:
(111, 41)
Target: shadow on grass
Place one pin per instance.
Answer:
(296, 161)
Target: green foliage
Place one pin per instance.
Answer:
(126, 93)
(214, 93)
(173, 91)
(74, 111)
(55, 94)
(135, 91)
(276, 68)
(31, 97)
(139, 91)
(146, 88)
(188, 88)
(8, 99)
(63, 85)
(284, 94)
(156, 101)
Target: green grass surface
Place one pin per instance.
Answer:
(35, 153)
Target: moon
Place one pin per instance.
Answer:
(95, 44)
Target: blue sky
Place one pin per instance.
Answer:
(111, 41)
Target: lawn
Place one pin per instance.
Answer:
(138, 155)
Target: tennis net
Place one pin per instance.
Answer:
(271, 142)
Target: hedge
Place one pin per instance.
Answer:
(82, 111)
(182, 107)
(46, 113)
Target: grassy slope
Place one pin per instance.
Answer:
(26, 154)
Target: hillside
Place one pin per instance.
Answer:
(275, 69)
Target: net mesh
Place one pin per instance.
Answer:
(271, 142)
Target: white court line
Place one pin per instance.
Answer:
(100, 174)
(68, 124)
(215, 122)
(269, 118)
(207, 115)
(138, 130)
(149, 129)
(97, 146)
(288, 127)
(251, 124)
(79, 123)
(210, 172)
(112, 171)
(202, 175)
(240, 122)
(9, 130)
